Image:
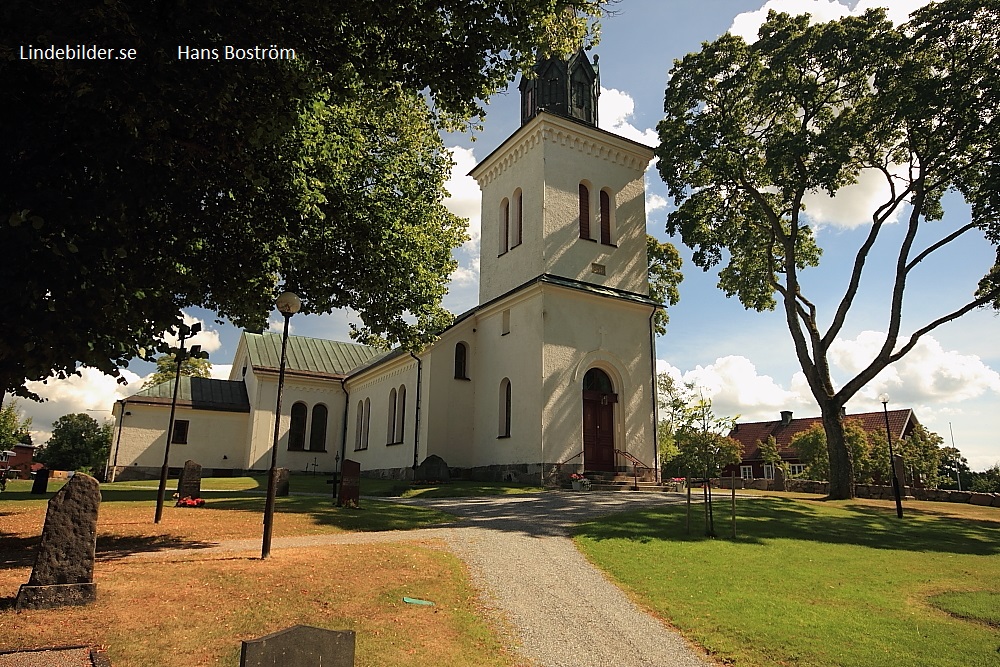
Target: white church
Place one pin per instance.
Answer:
(552, 373)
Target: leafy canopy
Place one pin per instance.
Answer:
(14, 426)
(166, 369)
(134, 189)
(78, 442)
(751, 129)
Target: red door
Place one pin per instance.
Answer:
(598, 421)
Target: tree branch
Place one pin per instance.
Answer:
(946, 240)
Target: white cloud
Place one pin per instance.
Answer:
(465, 198)
(928, 374)
(92, 392)
(654, 202)
(854, 204)
(277, 325)
(464, 276)
(615, 108)
(221, 371)
(747, 24)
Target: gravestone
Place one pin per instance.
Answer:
(281, 482)
(189, 483)
(779, 478)
(64, 566)
(300, 646)
(40, 486)
(433, 469)
(350, 483)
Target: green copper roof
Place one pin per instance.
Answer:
(198, 393)
(308, 355)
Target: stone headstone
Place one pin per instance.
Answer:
(64, 566)
(281, 482)
(350, 483)
(779, 478)
(189, 483)
(433, 469)
(897, 464)
(40, 486)
(300, 646)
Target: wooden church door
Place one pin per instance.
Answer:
(598, 421)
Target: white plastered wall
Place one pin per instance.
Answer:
(375, 386)
(448, 428)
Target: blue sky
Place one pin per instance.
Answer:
(743, 360)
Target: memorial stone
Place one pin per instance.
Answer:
(350, 483)
(189, 483)
(64, 565)
(433, 469)
(281, 482)
(40, 486)
(300, 646)
(779, 478)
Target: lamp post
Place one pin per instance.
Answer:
(892, 459)
(185, 332)
(288, 304)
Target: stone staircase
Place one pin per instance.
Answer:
(621, 481)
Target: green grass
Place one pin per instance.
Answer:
(317, 484)
(812, 584)
(983, 606)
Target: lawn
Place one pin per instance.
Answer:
(816, 584)
(195, 609)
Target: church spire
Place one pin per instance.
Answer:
(565, 87)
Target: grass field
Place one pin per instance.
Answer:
(816, 584)
(195, 609)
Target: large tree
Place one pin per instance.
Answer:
(78, 442)
(132, 188)
(751, 129)
(14, 426)
(166, 369)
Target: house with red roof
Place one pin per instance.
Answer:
(17, 463)
(751, 435)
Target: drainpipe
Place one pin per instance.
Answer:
(416, 425)
(343, 439)
(656, 417)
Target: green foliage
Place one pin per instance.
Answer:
(750, 129)
(812, 449)
(138, 188)
(78, 442)
(700, 438)
(987, 481)
(664, 277)
(921, 451)
(14, 426)
(166, 369)
(673, 399)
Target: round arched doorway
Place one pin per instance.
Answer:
(599, 400)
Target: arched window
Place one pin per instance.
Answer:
(461, 362)
(390, 428)
(297, 428)
(317, 432)
(605, 217)
(504, 225)
(367, 423)
(504, 408)
(584, 211)
(359, 426)
(400, 412)
(518, 228)
(597, 380)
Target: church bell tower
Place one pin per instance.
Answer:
(562, 197)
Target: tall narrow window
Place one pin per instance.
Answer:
(605, 218)
(505, 322)
(504, 225)
(461, 362)
(297, 428)
(367, 423)
(400, 412)
(518, 228)
(317, 432)
(504, 427)
(359, 426)
(390, 427)
(584, 211)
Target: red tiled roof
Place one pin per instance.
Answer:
(749, 435)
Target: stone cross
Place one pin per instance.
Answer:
(64, 566)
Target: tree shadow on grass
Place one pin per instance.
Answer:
(762, 519)
(115, 547)
(371, 516)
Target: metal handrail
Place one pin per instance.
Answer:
(635, 467)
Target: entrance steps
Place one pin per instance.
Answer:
(621, 481)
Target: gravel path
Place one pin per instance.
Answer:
(563, 611)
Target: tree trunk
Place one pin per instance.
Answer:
(841, 466)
